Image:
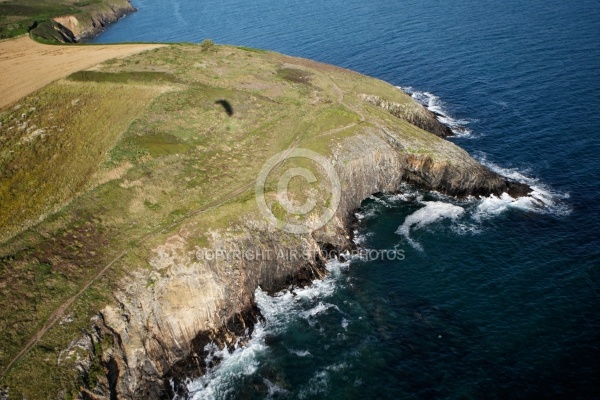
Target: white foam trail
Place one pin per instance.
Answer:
(220, 381)
(178, 14)
(433, 211)
(407, 193)
(434, 104)
(466, 228)
(381, 201)
(300, 353)
(317, 384)
(316, 310)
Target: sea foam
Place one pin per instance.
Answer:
(433, 211)
(434, 104)
(278, 311)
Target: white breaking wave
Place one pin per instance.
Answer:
(345, 324)
(366, 213)
(359, 239)
(381, 201)
(541, 200)
(467, 217)
(407, 193)
(434, 104)
(494, 205)
(220, 381)
(433, 211)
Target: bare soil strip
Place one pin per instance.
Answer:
(26, 65)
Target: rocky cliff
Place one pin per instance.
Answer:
(160, 334)
(74, 28)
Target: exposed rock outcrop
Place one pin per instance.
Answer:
(416, 114)
(170, 312)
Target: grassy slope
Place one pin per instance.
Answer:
(133, 148)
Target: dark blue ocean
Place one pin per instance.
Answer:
(495, 298)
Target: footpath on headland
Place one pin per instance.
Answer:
(26, 65)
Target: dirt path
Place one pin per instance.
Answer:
(26, 65)
(340, 95)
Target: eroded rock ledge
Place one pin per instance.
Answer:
(415, 114)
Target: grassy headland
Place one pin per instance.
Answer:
(98, 168)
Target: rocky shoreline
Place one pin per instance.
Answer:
(152, 357)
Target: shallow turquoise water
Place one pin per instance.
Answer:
(497, 299)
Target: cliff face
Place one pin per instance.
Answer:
(415, 114)
(89, 24)
(161, 333)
